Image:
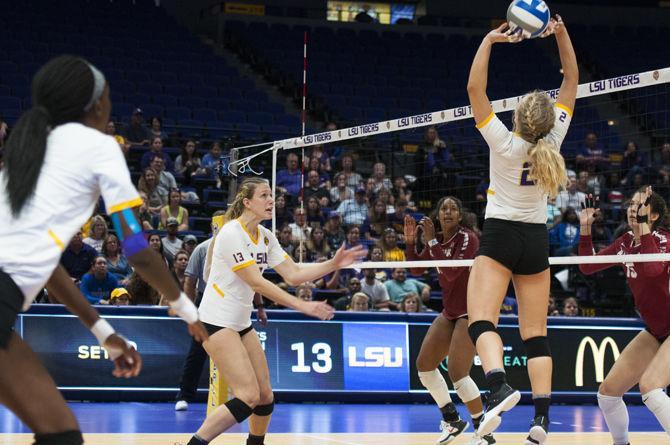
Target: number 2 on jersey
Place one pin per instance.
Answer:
(524, 175)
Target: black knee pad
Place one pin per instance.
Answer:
(537, 347)
(478, 328)
(239, 409)
(64, 438)
(264, 410)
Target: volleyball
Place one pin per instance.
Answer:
(529, 17)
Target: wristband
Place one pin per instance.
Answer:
(432, 243)
(102, 330)
(185, 309)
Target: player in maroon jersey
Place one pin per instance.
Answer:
(448, 335)
(646, 359)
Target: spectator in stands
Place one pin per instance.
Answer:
(341, 191)
(400, 286)
(174, 210)
(289, 179)
(171, 244)
(315, 216)
(97, 285)
(340, 278)
(397, 219)
(324, 177)
(552, 310)
(78, 257)
(179, 268)
(389, 245)
(283, 215)
(117, 263)
(613, 195)
(601, 235)
(189, 244)
(386, 197)
(157, 197)
(482, 189)
(377, 222)
(402, 191)
(166, 180)
(146, 218)
(564, 237)
(410, 303)
(299, 229)
(352, 287)
(156, 244)
(188, 163)
(354, 211)
(300, 254)
(571, 198)
(4, 131)
(156, 149)
(142, 293)
(136, 132)
(211, 160)
(570, 307)
(664, 171)
(123, 143)
(591, 154)
(98, 233)
(379, 177)
(375, 289)
(156, 128)
(471, 221)
(120, 297)
(317, 246)
(319, 153)
(427, 152)
(333, 230)
(359, 302)
(354, 180)
(376, 254)
(583, 178)
(285, 240)
(633, 162)
(553, 213)
(314, 189)
(304, 292)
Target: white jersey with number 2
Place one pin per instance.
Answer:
(512, 195)
(228, 300)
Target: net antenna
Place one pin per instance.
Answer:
(303, 118)
(243, 165)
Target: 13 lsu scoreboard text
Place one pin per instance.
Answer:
(348, 355)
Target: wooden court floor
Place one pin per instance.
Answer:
(345, 439)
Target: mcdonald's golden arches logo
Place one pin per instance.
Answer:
(598, 353)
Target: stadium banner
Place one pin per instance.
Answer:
(361, 353)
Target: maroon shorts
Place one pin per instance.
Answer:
(453, 310)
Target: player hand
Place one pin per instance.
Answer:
(589, 210)
(503, 34)
(198, 331)
(345, 257)
(127, 361)
(644, 209)
(262, 316)
(555, 26)
(428, 228)
(409, 229)
(318, 309)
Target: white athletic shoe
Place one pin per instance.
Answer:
(451, 430)
(181, 405)
(479, 440)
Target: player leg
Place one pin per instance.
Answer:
(486, 290)
(27, 389)
(260, 419)
(532, 294)
(434, 348)
(625, 373)
(653, 382)
(461, 354)
(232, 360)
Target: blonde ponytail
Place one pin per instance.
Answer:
(547, 168)
(246, 191)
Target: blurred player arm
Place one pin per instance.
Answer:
(568, 91)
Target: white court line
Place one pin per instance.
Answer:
(330, 439)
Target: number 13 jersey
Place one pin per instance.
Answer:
(228, 300)
(512, 195)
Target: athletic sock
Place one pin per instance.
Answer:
(659, 404)
(542, 403)
(255, 440)
(616, 416)
(197, 440)
(495, 379)
(449, 412)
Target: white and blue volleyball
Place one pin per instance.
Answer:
(529, 17)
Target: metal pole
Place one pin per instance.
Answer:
(274, 187)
